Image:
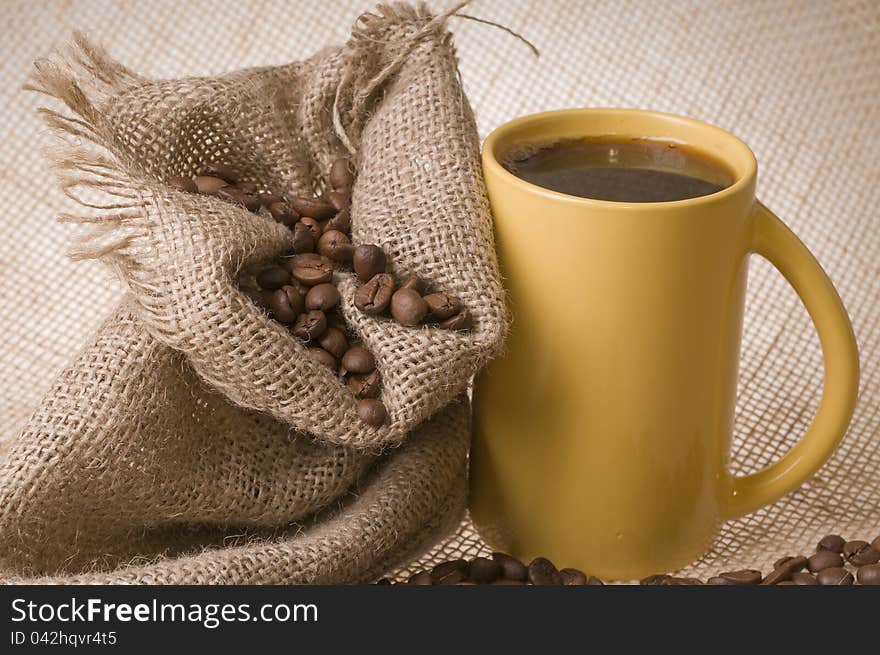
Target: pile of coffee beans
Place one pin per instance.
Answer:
(501, 569)
(299, 289)
(835, 562)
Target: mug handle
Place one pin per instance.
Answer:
(779, 245)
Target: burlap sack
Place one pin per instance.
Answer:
(414, 495)
(193, 409)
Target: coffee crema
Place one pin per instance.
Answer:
(621, 170)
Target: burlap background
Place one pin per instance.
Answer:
(800, 82)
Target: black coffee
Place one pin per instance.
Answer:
(622, 170)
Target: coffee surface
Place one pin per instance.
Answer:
(621, 170)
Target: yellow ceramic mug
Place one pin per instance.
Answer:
(602, 435)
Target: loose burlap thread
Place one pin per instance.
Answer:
(798, 82)
(194, 416)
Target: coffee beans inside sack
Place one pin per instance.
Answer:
(280, 396)
(298, 289)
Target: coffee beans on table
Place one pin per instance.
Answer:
(511, 568)
(543, 572)
(299, 289)
(835, 576)
(744, 577)
(860, 553)
(503, 569)
(804, 578)
(832, 542)
(572, 577)
(824, 559)
(450, 572)
(869, 575)
(484, 571)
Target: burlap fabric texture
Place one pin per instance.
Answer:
(194, 420)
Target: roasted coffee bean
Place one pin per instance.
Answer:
(340, 222)
(341, 173)
(334, 245)
(302, 239)
(876, 543)
(783, 569)
(283, 213)
(824, 559)
(835, 576)
(445, 568)
(371, 411)
(572, 577)
(273, 277)
(777, 575)
(407, 307)
(543, 572)
(717, 581)
(238, 197)
(681, 582)
(743, 577)
(484, 570)
(223, 171)
(803, 578)
(182, 183)
(791, 562)
(654, 580)
(322, 296)
(268, 198)
(334, 342)
(358, 360)
(461, 321)
(316, 208)
(511, 568)
(368, 261)
(301, 289)
(452, 578)
(832, 542)
(415, 283)
(314, 227)
(208, 184)
(420, 578)
(252, 203)
(364, 386)
(338, 200)
(374, 297)
(463, 583)
(869, 574)
(324, 357)
(595, 582)
(286, 304)
(442, 306)
(311, 269)
(860, 553)
(384, 581)
(231, 194)
(310, 325)
(785, 583)
(506, 582)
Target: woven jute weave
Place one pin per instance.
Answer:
(799, 82)
(194, 408)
